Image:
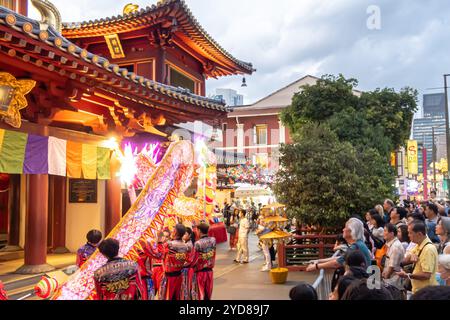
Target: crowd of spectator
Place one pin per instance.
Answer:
(398, 252)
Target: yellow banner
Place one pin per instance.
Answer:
(413, 157)
(393, 159)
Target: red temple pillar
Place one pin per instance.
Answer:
(160, 67)
(113, 198)
(23, 7)
(59, 214)
(36, 227)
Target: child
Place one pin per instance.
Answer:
(93, 239)
(340, 247)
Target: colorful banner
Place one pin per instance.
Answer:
(89, 161)
(36, 159)
(412, 153)
(103, 164)
(74, 152)
(57, 156)
(21, 153)
(2, 135)
(393, 159)
(13, 152)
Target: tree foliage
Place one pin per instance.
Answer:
(338, 164)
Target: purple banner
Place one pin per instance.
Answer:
(36, 155)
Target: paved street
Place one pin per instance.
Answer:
(232, 281)
(247, 282)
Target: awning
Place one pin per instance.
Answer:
(252, 191)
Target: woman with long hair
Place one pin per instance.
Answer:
(402, 235)
(443, 232)
(233, 230)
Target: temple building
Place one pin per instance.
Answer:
(71, 92)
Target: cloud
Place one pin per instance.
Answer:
(287, 39)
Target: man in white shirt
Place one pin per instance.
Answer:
(244, 229)
(394, 256)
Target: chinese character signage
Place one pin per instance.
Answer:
(412, 156)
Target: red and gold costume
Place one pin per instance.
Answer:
(187, 289)
(145, 263)
(203, 264)
(119, 279)
(3, 295)
(174, 255)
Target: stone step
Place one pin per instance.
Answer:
(14, 255)
(20, 293)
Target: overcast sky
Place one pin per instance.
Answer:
(287, 39)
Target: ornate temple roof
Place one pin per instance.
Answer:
(164, 11)
(22, 38)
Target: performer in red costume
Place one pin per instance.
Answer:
(3, 295)
(157, 264)
(118, 279)
(145, 263)
(174, 255)
(93, 239)
(203, 263)
(187, 273)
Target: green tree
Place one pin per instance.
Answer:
(320, 180)
(338, 164)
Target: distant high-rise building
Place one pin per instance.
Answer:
(230, 96)
(422, 132)
(433, 116)
(434, 105)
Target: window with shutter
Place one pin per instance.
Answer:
(261, 134)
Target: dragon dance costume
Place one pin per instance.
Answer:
(203, 264)
(119, 279)
(3, 295)
(174, 255)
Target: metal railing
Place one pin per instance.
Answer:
(323, 284)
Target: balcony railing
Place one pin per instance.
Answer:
(296, 255)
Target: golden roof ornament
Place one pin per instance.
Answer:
(12, 98)
(130, 9)
(50, 15)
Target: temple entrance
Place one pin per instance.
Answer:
(4, 209)
(9, 211)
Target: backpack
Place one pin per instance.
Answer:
(380, 256)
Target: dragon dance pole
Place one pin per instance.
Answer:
(204, 192)
(132, 194)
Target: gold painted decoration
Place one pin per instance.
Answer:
(114, 46)
(12, 98)
(130, 8)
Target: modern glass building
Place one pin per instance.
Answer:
(422, 132)
(434, 105)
